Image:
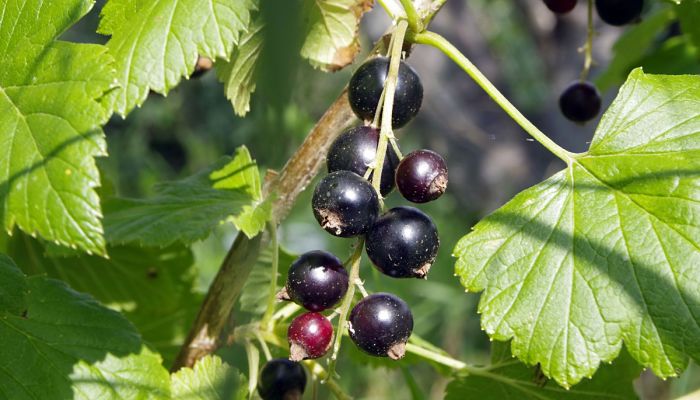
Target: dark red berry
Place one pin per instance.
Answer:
(560, 6)
(580, 102)
(345, 204)
(619, 12)
(403, 243)
(281, 379)
(422, 176)
(380, 325)
(309, 336)
(367, 83)
(316, 280)
(355, 149)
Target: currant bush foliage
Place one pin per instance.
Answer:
(606, 251)
(50, 118)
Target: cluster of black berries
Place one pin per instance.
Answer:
(580, 102)
(402, 243)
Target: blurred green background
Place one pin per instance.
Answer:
(527, 51)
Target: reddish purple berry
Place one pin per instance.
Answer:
(309, 336)
(422, 176)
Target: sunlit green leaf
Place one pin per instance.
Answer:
(156, 43)
(607, 250)
(210, 379)
(50, 119)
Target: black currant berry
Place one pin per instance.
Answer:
(345, 204)
(316, 280)
(380, 324)
(355, 149)
(422, 176)
(367, 83)
(281, 379)
(580, 102)
(619, 12)
(309, 336)
(403, 243)
(560, 6)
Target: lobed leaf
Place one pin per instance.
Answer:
(188, 210)
(50, 117)
(156, 43)
(607, 250)
(332, 32)
(152, 288)
(63, 344)
(210, 379)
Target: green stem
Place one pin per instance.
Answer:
(322, 375)
(391, 10)
(442, 44)
(272, 296)
(389, 87)
(588, 47)
(436, 357)
(345, 305)
(414, 21)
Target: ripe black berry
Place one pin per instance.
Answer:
(560, 6)
(309, 336)
(367, 83)
(281, 379)
(380, 324)
(355, 149)
(422, 176)
(580, 102)
(619, 12)
(403, 243)
(344, 204)
(316, 281)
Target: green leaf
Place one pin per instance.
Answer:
(156, 43)
(187, 210)
(238, 74)
(64, 344)
(210, 379)
(50, 118)
(13, 292)
(332, 32)
(607, 250)
(512, 380)
(153, 288)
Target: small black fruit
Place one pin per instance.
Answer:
(367, 83)
(380, 325)
(619, 12)
(422, 176)
(560, 6)
(580, 102)
(403, 243)
(355, 149)
(316, 280)
(345, 204)
(281, 379)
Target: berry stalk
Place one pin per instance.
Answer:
(345, 305)
(588, 47)
(271, 297)
(442, 44)
(386, 130)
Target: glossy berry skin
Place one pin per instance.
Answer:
(380, 325)
(345, 204)
(580, 102)
(366, 85)
(403, 243)
(309, 336)
(355, 149)
(316, 280)
(619, 12)
(281, 379)
(422, 176)
(560, 6)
